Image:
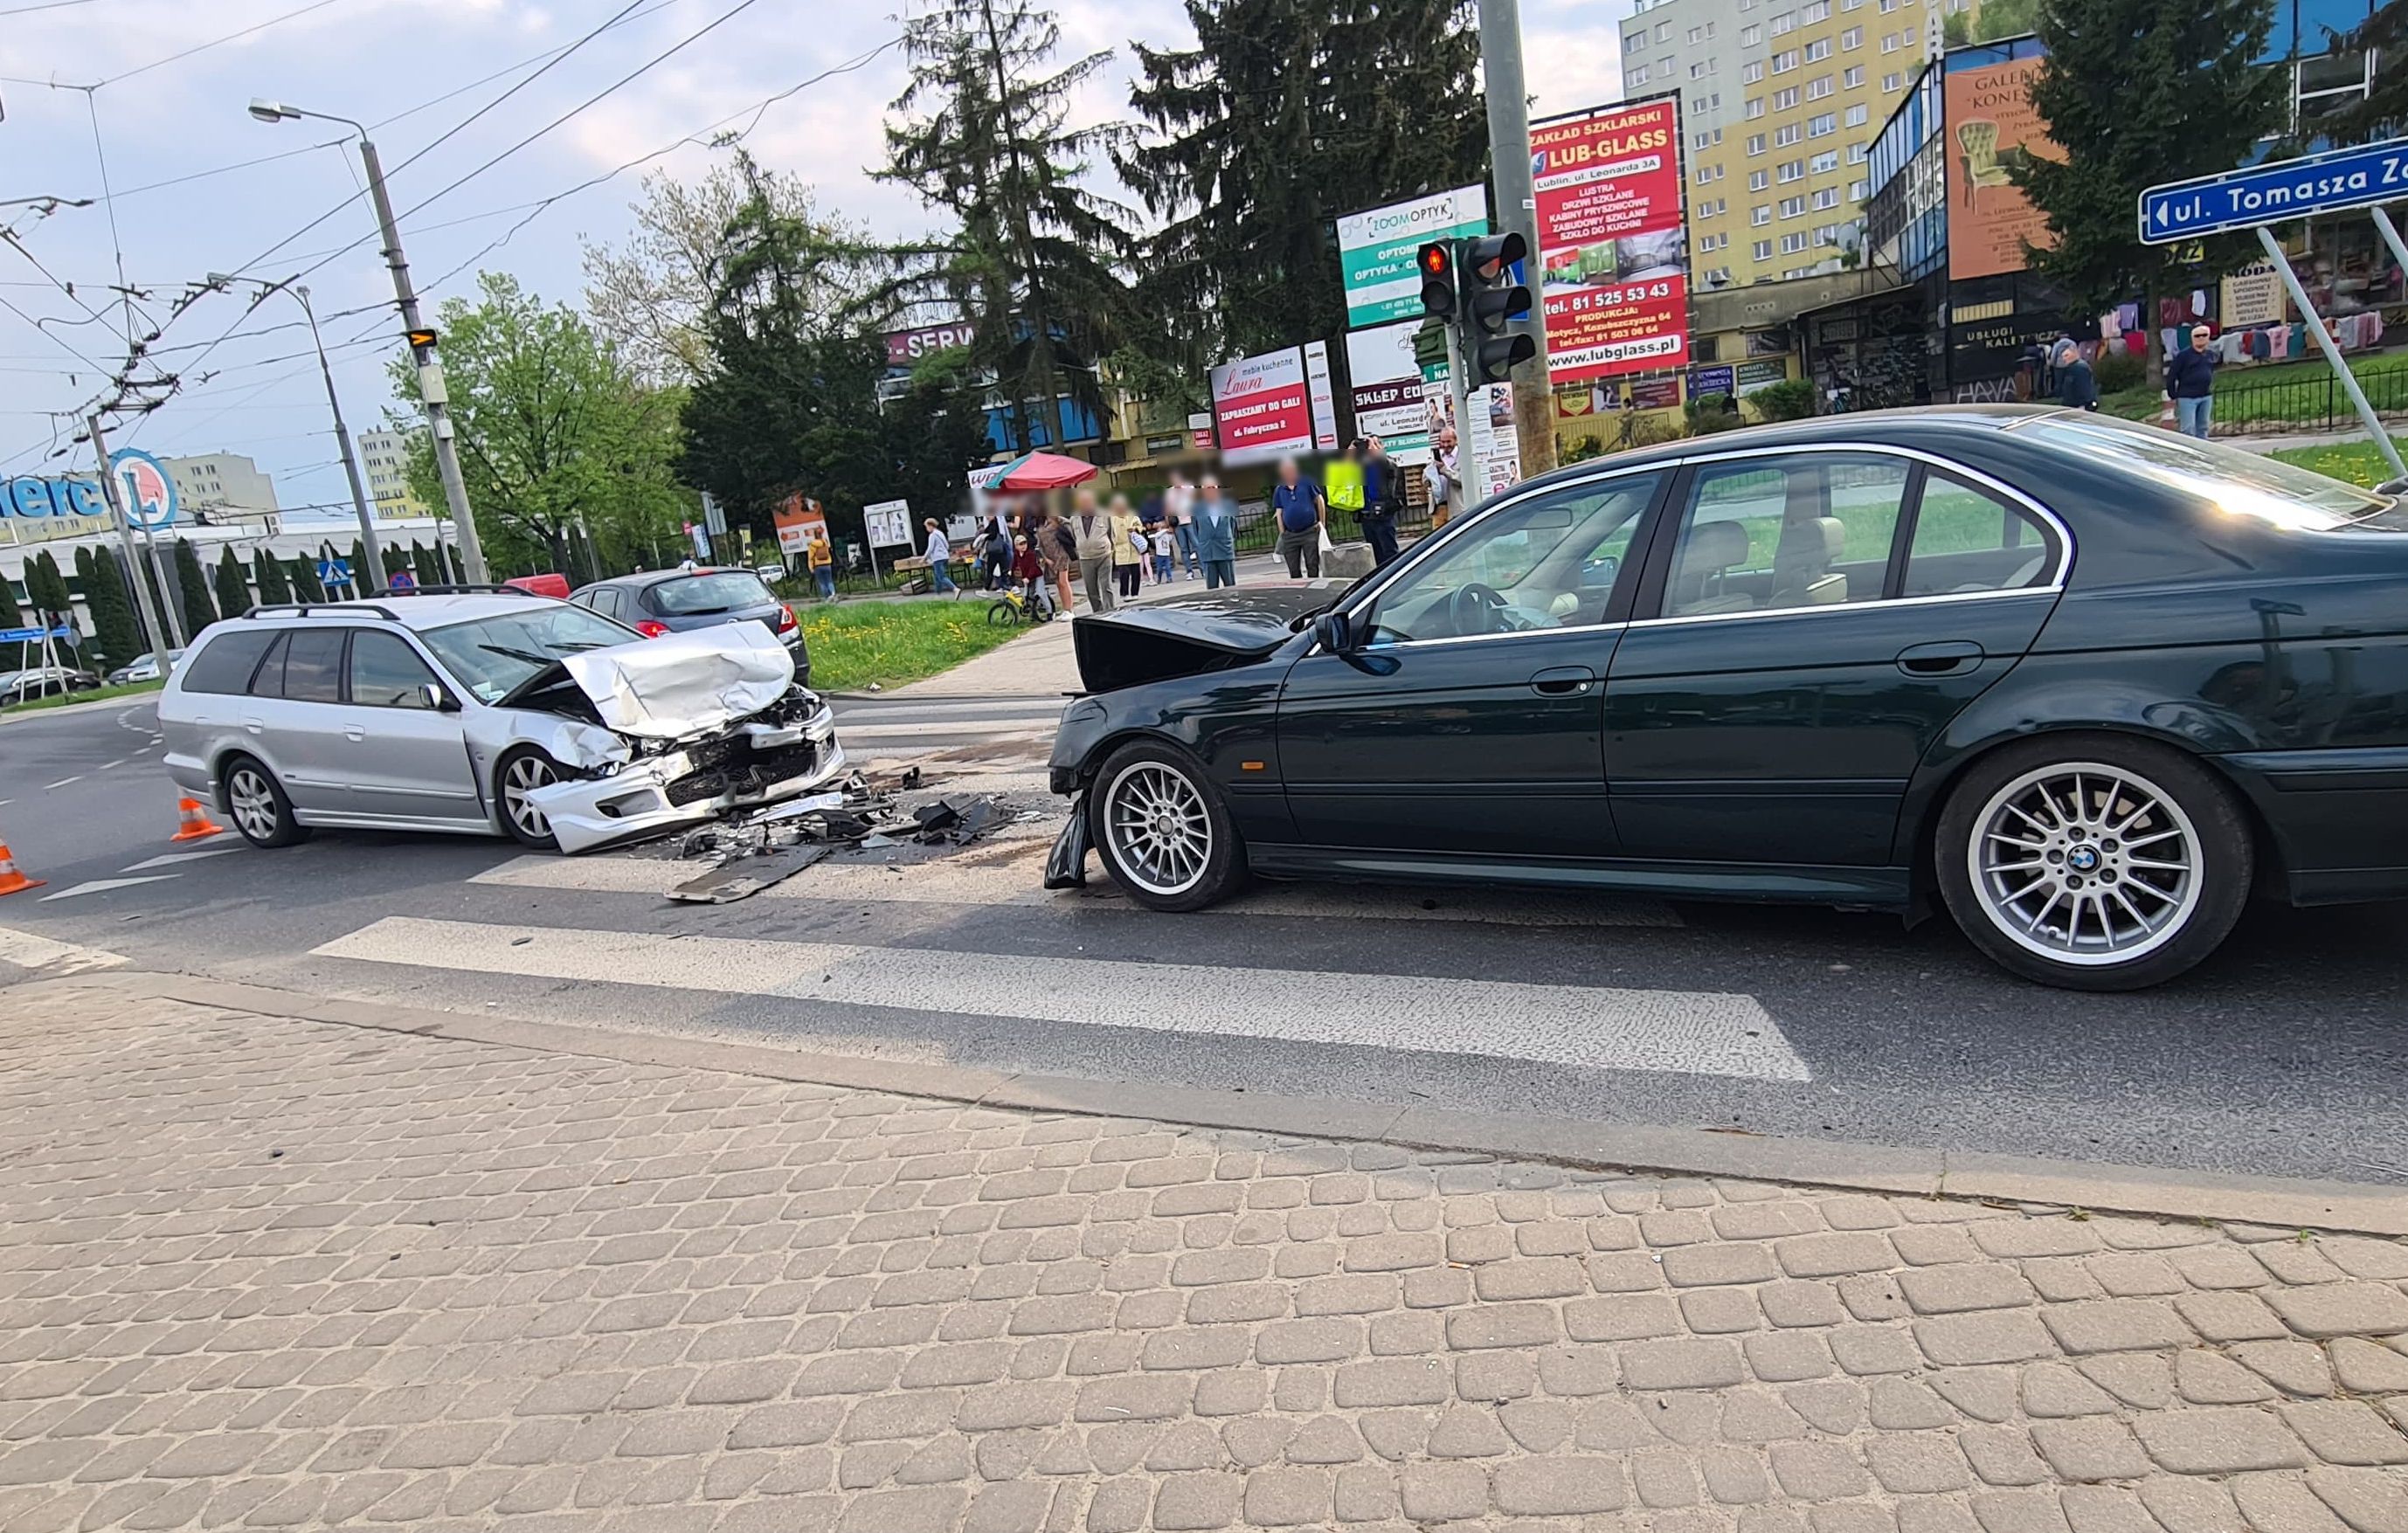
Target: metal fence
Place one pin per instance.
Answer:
(2307, 404)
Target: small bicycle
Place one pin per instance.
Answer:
(1014, 606)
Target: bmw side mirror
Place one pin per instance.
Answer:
(1333, 633)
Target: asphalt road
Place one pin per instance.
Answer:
(2284, 1056)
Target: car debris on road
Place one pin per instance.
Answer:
(755, 851)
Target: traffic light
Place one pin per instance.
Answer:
(1488, 297)
(420, 340)
(1437, 262)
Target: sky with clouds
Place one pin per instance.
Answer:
(162, 119)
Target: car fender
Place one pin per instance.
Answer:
(1226, 720)
(2054, 693)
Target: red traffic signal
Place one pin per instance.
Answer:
(1437, 262)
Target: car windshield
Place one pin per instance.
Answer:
(490, 656)
(700, 595)
(2239, 482)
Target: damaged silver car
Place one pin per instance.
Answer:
(493, 712)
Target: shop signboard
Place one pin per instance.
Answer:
(1760, 373)
(1377, 249)
(1993, 127)
(800, 523)
(1385, 380)
(2251, 297)
(906, 347)
(1613, 251)
(1706, 380)
(1262, 408)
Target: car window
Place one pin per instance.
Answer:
(700, 595)
(1968, 540)
(225, 662)
(313, 666)
(604, 599)
(1547, 561)
(386, 672)
(491, 656)
(1794, 530)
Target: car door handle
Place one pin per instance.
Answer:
(1946, 657)
(252, 724)
(355, 732)
(1563, 681)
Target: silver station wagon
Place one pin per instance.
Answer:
(490, 712)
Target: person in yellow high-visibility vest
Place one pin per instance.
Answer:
(821, 556)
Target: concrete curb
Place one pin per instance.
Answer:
(128, 699)
(2104, 1187)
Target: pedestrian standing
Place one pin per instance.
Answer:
(1384, 497)
(2190, 383)
(1166, 556)
(2076, 387)
(999, 547)
(1128, 547)
(821, 556)
(1057, 551)
(1215, 535)
(1178, 504)
(1303, 513)
(1091, 532)
(940, 554)
(1445, 487)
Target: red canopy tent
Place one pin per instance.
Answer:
(1045, 471)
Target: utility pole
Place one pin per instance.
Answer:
(110, 492)
(430, 377)
(1509, 153)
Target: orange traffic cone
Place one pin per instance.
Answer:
(194, 823)
(10, 880)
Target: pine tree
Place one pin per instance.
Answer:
(46, 591)
(233, 589)
(363, 578)
(2134, 92)
(307, 587)
(199, 612)
(422, 565)
(268, 574)
(2385, 110)
(9, 616)
(1038, 259)
(1287, 115)
(113, 625)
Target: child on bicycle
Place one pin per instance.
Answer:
(1030, 571)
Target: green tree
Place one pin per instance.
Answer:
(552, 426)
(422, 564)
(1037, 257)
(2384, 111)
(1286, 115)
(9, 616)
(233, 589)
(362, 577)
(269, 573)
(305, 584)
(110, 600)
(193, 586)
(46, 590)
(2137, 92)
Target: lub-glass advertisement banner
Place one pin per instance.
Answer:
(1613, 257)
(1993, 127)
(1385, 380)
(1262, 407)
(1377, 250)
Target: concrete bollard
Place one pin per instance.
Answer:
(1347, 561)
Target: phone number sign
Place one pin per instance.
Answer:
(1613, 247)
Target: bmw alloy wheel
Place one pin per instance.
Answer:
(2087, 864)
(524, 774)
(1160, 828)
(253, 803)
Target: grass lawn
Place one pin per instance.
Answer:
(101, 695)
(2358, 463)
(2142, 403)
(891, 642)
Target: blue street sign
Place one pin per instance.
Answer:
(333, 572)
(2272, 193)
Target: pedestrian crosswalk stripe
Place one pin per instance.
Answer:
(989, 879)
(1596, 1028)
(27, 950)
(943, 730)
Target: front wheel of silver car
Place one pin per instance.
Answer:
(2094, 864)
(1163, 831)
(519, 773)
(255, 802)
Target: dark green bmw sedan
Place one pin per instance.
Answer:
(2092, 684)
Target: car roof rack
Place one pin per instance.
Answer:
(467, 591)
(303, 610)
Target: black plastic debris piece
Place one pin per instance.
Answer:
(1066, 868)
(743, 877)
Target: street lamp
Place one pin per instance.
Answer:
(430, 371)
(376, 571)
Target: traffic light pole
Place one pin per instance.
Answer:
(430, 382)
(1509, 153)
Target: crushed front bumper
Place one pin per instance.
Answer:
(754, 763)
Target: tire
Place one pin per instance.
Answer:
(519, 769)
(255, 802)
(2154, 864)
(1148, 778)
(1001, 614)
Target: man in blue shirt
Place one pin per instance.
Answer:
(2190, 383)
(1301, 509)
(1384, 497)
(1215, 526)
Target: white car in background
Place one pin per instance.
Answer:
(145, 668)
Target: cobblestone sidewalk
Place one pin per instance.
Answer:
(266, 1272)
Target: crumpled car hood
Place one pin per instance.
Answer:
(684, 683)
(1192, 631)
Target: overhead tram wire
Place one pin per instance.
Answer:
(215, 42)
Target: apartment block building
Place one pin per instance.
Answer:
(384, 459)
(223, 487)
(1780, 101)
